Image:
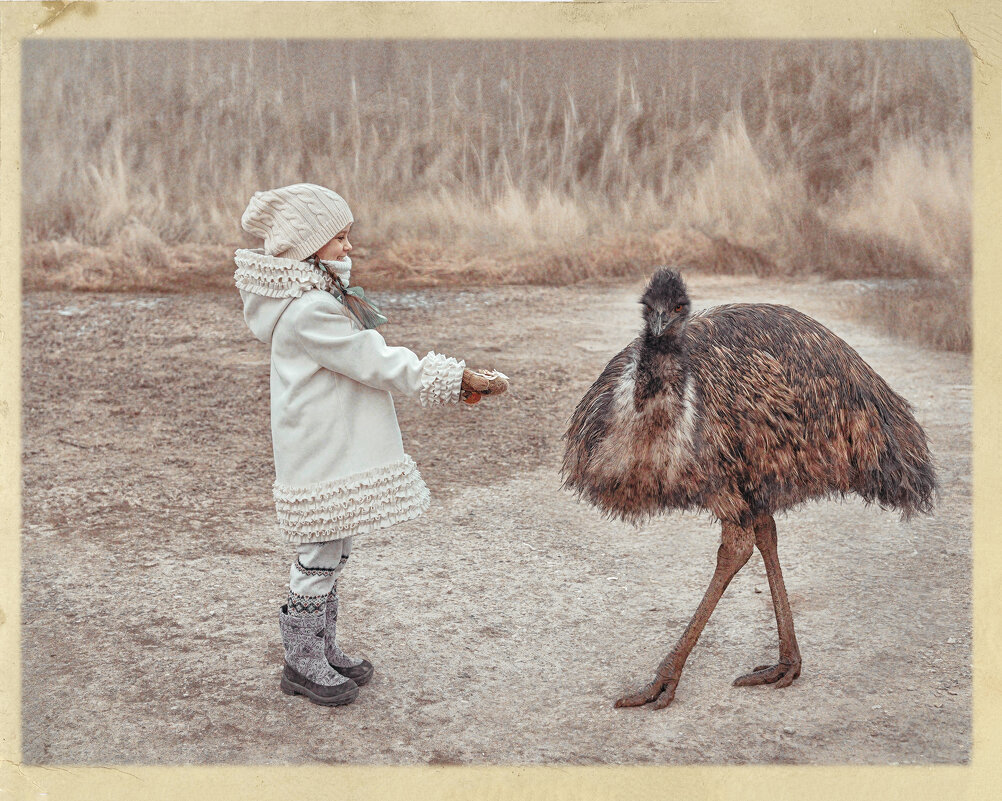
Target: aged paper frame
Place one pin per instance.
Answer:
(974, 21)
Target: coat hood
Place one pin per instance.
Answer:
(262, 314)
(268, 284)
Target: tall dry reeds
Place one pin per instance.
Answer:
(514, 161)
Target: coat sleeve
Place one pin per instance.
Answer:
(327, 335)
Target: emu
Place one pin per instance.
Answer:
(743, 411)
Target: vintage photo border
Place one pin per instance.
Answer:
(973, 21)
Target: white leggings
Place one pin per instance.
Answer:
(312, 576)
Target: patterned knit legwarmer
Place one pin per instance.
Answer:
(317, 567)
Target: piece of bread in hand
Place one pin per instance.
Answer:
(484, 382)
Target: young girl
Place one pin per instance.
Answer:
(340, 465)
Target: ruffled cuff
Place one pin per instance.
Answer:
(441, 379)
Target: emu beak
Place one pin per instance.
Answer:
(658, 324)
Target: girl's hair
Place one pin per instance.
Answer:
(367, 314)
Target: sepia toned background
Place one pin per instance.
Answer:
(513, 162)
(832, 176)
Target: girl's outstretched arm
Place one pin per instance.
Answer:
(328, 337)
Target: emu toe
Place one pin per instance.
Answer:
(658, 693)
(781, 674)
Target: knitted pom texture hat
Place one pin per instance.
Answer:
(296, 221)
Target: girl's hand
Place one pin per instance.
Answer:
(471, 397)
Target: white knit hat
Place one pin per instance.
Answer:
(296, 221)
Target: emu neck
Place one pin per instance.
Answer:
(669, 343)
(661, 368)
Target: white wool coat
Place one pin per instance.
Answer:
(340, 466)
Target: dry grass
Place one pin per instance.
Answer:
(504, 161)
(934, 313)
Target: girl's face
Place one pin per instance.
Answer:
(338, 247)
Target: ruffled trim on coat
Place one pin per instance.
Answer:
(277, 277)
(355, 504)
(441, 379)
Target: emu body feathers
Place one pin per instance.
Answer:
(759, 408)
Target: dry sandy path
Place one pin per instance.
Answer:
(503, 622)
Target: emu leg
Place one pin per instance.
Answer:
(736, 547)
(787, 669)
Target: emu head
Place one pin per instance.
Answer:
(666, 305)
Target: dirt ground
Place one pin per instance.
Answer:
(506, 620)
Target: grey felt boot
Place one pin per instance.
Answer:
(306, 670)
(358, 670)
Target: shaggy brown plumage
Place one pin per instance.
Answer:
(742, 410)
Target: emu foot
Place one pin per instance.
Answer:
(781, 674)
(661, 693)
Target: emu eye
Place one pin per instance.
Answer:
(679, 307)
